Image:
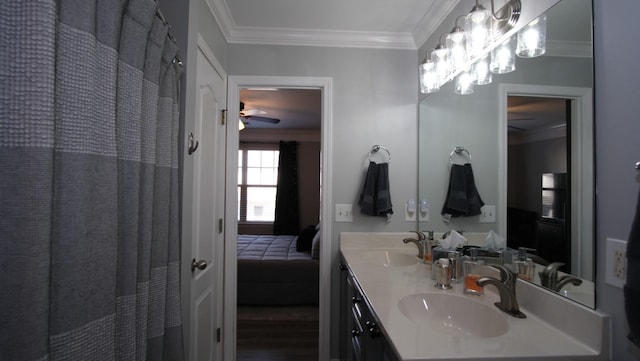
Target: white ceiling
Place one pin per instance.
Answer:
(403, 24)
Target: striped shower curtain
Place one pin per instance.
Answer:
(89, 239)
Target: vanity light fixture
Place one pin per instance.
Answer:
(472, 54)
(240, 125)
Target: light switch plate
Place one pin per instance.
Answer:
(344, 213)
(616, 262)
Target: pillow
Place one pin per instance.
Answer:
(315, 246)
(303, 244)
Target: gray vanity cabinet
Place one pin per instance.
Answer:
(360, 336)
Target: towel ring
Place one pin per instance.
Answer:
(376, 148)
(460, 151)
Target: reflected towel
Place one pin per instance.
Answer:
(632, 286)
(375, 197)
(462, 198)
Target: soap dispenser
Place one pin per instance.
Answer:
(524, 265)
(473, 270)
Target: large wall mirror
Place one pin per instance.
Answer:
(530, 138)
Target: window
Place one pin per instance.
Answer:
(257, 181)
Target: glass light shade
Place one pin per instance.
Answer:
(464, 83)
(428, 78)
(481, 73)
(503, 57)
(532, 38)
(478, 25)
(440, 58)
(240, 124)
(457, 48)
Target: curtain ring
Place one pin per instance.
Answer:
(193, 144)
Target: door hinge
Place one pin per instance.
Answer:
(223, 118)
(220, 225)
(218, 334)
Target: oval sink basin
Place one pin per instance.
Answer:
(454, 315)
(390, 258)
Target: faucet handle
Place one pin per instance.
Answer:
(421, 236)
(507, 276)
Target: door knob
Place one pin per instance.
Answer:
(201, 264)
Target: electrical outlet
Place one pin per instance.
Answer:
(488, 214)
(616, 262)
(410, 212)
(344, 213)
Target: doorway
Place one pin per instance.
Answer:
(538, 177)
(236, 83)
(580, 166)
(279, 206)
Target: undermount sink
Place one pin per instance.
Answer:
(454, 315)
(390, 258)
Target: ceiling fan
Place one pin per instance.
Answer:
(255, 114)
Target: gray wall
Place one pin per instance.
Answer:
(617, 147)
(374, 102)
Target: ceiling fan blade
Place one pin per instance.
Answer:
(262, 119)
(253, 112)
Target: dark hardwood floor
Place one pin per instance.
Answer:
(277, 334)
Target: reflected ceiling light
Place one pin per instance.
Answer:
(464, 83)
(480, 49)
(503, 57)
(532, 38)
(481, 73)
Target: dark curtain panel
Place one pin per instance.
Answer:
(287, 217)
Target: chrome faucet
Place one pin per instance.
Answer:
(549, 277)
(419, 242)
(507, 289)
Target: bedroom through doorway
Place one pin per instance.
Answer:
(278, 223)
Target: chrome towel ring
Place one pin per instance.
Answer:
(459, 151)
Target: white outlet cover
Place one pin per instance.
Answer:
(615, 246)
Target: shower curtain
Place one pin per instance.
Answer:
(89, 248)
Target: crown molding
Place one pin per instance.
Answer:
(428, 24)
(282, 36)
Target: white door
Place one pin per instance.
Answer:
(208, 213)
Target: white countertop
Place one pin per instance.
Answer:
(532, 338)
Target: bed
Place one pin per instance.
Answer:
(272, 272)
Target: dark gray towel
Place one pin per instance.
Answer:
(462, 198)
(383, 193)
(474, 202)
(632, 286)
(375, 197)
